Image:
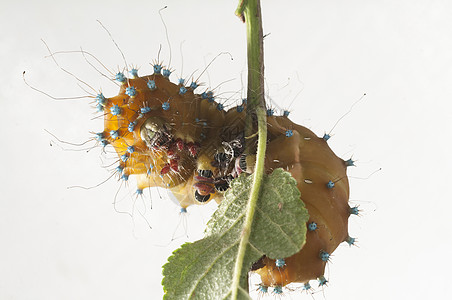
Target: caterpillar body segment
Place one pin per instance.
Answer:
(313, 164)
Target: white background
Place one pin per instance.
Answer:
(321, 56)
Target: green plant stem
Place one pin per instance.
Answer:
(251, 12)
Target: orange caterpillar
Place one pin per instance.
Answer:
(168, 136)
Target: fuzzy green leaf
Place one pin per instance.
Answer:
(204, 269)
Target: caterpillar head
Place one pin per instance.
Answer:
(156, 133)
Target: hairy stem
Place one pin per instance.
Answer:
(250, 12)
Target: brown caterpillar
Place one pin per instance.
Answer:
(168, 136)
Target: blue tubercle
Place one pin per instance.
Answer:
(280, 262)
(115, 110)
(125, 177)
(312, 226)
(307, 286)
(124, 157)
(151, 85)
(286, 113)
(208, 95)
(182, 90)
(145, 110)
(100, 99)
(133, 73)
(131, 91)
(325, 256)
(104, 143)
(220, 107)
(244, 101)
(326, 136)
(277, 290)
(165, 105)
(330, 184)
(100, 107)
(183, 210)
(193, 85)
(262, 288)
(166, 73)
(322, 280)
(131, 149)
(181, 81)
(157, 69)
(350, 163)
(119, 169)
(240, 108)
(354, 210)
(139, 192)
(270, 112)
(350, 241)
(100, 136)
(120, 77)
(289, 133)
(131, 126)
